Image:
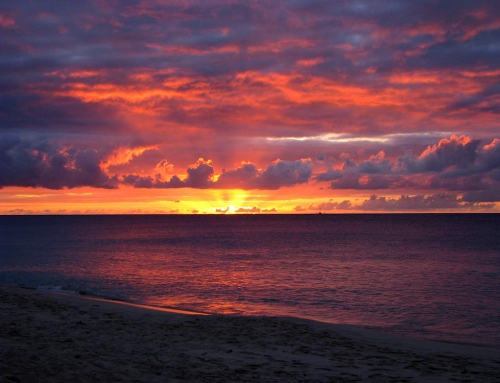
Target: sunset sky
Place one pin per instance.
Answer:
(300, 106)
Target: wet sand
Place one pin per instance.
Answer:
(50, 337)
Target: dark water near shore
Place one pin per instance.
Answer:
(429, 276)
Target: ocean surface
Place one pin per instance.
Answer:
(434, 276)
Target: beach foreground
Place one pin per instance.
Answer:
(50, 337)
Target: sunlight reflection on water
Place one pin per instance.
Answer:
(435, 276)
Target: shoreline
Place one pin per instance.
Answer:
(356, 327)
(366, 330)
(54, 337)
(170, 310)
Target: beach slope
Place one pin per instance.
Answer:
(49, 337)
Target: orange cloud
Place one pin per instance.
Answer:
(125, 155)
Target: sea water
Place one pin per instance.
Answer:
(434, 276)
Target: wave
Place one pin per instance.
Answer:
(68, 289)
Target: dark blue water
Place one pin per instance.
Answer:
(433, 276)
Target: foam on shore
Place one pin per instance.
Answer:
(46, 336)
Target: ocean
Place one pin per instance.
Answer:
(433, 276)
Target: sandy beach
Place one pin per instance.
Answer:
(50, 337)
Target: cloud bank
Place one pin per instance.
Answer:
(459, 164)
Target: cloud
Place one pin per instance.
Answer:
(245, 210)
(148, 182)
(299, 208)
(418, 202)
(375, 165)
(254, 209)
(458, 163)
(285, 173)
(272, 210)
(322, 206)
(254, 82)
(489, 158)
(40, 164)
(491, 194)
(200, 176)
(329, 175)
(251, 69)
(247, 174)
(363, 182)
(6, 22)
(126, 155)
(457, 152)
(435, 202)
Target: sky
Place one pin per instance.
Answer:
(299, 106)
